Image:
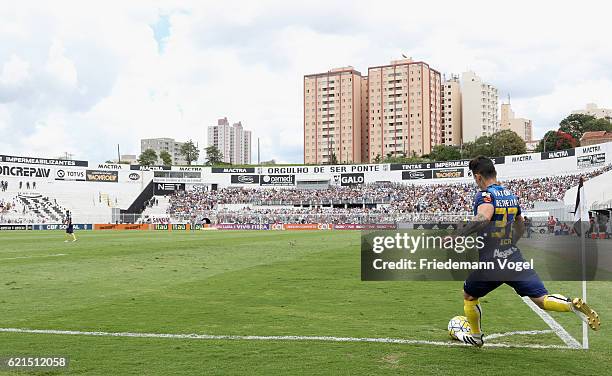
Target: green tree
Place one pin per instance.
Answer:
(481, 146)
(166, 158)
(498, 144)
(213, 155)
(507, 142)
(147, 157)
(444, 153)
(548, 139)
(115, 162)
(575, 124)
(556, 140)
(598, 125)
(403, 159)
(334, 159)
(190, 152)
(377, 159)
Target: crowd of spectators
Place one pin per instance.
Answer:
(550, 188)
(371, 203)
(380, 203)
(381, 214)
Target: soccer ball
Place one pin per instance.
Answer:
(458, 324)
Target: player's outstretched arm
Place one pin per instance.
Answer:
(479, 222)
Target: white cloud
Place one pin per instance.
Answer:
(14, 71)
(81, 77)
(59, 67)
(5, 118)
(51, 137)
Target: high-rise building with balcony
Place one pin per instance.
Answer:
(233, 141)
(451, 112)
(479, 107)
(365, 129)
(404, 109)
(333, 116)
(394, 111)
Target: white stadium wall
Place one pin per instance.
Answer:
(92, 190)
(566, 162)
(89, 191)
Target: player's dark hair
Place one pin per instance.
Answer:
(483, 166)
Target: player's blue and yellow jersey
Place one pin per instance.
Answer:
(498, 235)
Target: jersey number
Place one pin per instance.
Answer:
(502, 230)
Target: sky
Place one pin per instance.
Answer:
(81, 77)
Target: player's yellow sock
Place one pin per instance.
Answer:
(557, 303)
(73, 236)
(473, 312)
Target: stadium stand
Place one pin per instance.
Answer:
(35, 190)
(43, 208)
(28, 206)
(373, 203)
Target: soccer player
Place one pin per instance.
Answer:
(69, 229)
(498, 219)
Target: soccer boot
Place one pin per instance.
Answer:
(586, 314)
(476, 340)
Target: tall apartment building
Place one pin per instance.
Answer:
(333, 116)
(164, 144)
(242, 145)
(593, 110)
(451, 112)
(521, 126)
(233, 141)
(395, 110)
(365, 129)
(404, 113)
(399, 109)
(479, 107)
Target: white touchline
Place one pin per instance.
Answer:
(27, 257)
(279, 338)
(553, 324)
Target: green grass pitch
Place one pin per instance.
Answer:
(262, 283)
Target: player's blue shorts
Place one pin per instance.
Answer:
(69, 229)
(525, 283)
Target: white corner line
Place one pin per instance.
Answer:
(553, 324)
(517, 332)
(276, 338)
